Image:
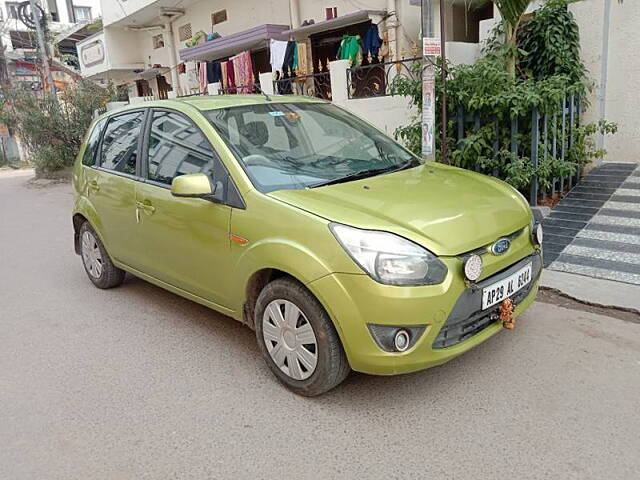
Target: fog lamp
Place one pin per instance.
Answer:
(401, 340)
(396, 338)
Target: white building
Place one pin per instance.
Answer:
(145, 44)
(609, 42)
(20, 43)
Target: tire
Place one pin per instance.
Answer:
(96, 261)
(292, 362)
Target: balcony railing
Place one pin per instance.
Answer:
(312, 85)
(375, 79)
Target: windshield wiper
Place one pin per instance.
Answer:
(368, 172)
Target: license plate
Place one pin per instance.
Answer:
(505, 288)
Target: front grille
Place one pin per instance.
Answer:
(467, 317)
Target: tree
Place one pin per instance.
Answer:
(52, 131)
(511, 12)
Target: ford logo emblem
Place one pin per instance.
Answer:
(500, 246)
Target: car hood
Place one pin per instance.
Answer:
(448, 210)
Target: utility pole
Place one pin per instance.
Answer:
(433, 47)
(42, 46)
(428, 83)
(443, 77)
(4, 71)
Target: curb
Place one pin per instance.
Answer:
(593, 291)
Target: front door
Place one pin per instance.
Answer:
(185, 240)
(111, 186)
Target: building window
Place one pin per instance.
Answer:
(218, 17)
(158, 41)
(184, 32)
(12, 10)
(82, 14)
(53, 10)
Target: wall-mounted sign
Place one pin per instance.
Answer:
(431, 47)
(92, 53)
(428, 111)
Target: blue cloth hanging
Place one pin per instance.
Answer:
(372, 42)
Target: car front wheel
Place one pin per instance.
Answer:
(298, 340)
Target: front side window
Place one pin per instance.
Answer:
(300, 145)
(120, 143)
(88, 158)
(177, 147)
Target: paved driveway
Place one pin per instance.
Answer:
(137, 383)
(595, 230)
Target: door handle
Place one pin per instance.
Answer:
(146, 207)
(93, 185)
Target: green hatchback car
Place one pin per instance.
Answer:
(340, 248)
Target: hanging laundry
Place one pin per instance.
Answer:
(277, 49)
(302, 67)
(349, 48)
(214, 72)
(193, 81)
(372, 42)
(223, 75)
(295, 58)
(202, 76)
(231, 78)
(243, 70)
(287, 64)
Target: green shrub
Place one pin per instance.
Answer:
(52, 131)
(549, 69)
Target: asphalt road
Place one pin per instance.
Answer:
(136, 383)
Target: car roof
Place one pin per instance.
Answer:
(213, 102)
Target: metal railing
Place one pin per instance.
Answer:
(552, 134)
(312, 85)
(375, 79)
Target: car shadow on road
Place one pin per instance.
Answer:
(358, 390)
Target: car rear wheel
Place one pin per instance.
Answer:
(298, 340)
(101, 271)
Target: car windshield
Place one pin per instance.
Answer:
(299, 145)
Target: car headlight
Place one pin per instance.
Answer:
(388, 258)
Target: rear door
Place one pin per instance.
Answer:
(185, 240)
(112, 185)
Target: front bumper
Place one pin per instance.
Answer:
(451, 312)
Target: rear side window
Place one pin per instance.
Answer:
(89, 156)
(177, 147)
(120, 143)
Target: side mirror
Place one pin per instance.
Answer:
(193, 185)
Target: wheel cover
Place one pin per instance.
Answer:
(91, 255)
(290, 339)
